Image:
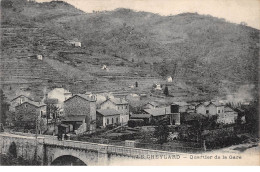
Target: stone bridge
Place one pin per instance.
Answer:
(48, 150)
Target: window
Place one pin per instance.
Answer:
(218, 111)
(117, 120)
(112, 120)
(126, 107)
(118, 108)
(25, 106)
(41, 113)
(107, 121)
(207, 111)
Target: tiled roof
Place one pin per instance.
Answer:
(116, 101)
(209, 103)
(86, 97)
(158, 111)
(37, 104)
(108, 112)
(21, 96)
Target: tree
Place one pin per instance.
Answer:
(4, 107)
(162, 131)
(12, 150)
(166, 91)
(26, 118)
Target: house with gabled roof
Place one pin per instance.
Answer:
(31, 107)
(119, 104)
(210, 108)
(107, 117)
(159, 113)
(228, 117)
(18, 100)
(83, 107)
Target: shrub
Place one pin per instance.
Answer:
(135, 123)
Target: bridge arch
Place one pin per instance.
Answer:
(68, 160)
(80, 155)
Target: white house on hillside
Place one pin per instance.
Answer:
(169, 79)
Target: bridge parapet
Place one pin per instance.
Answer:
(49, 148)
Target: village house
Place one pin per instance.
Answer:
(210, 108)
(107, 117)
(169, 79)
(119, 104)
(171, 111)
(75, 43)
(17, 101)
(104, 67)
(158, 87)
(225, 115)
(228, 117)
(39, 57)
(80, 111)
(32, 106)
(30, 112)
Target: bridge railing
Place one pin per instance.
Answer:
(123, 150)
(72, 144)
(104, 148)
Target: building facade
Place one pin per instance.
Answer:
(18, 101)
(82, 106)
(37, 108)
(119, 104)
(228, 117)
(210, 108)
(107, 117)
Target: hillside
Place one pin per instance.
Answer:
(204, 51)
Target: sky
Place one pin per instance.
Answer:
(235, 11)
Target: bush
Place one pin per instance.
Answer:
(135, 123)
